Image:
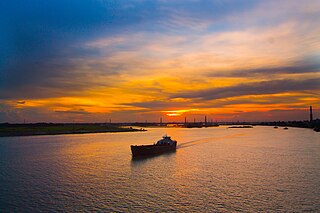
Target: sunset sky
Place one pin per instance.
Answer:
(91, 61)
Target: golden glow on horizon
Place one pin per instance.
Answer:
(100, 105)
(175, 113)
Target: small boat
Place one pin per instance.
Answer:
(166, 144)
(275, 127)
(285, 128)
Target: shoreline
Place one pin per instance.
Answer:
(17, 130)
(65, 133)
(34, 129)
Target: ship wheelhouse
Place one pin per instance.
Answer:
(166, 140)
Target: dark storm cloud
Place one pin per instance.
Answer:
(288, 101)
(81, 112)
(53, 78)
(258, 88)
(265, 100)
(159, 104)
(21, 102)
(263, 71)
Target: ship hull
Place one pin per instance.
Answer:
(149, 150)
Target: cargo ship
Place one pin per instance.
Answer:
(166, 144)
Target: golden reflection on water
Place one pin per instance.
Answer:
(213, 169)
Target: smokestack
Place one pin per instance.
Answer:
(205, 120)
(311, 117)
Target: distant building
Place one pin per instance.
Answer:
(311, 116)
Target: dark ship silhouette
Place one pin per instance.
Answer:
(166, 144)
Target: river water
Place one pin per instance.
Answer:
(213, 169)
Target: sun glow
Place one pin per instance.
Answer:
(175, 113)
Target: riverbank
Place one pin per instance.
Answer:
(315, 124)
(7, 130)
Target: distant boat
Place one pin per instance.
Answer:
(275, 127)
(285, 128)
(166, 144)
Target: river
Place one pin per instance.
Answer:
(213, 169)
